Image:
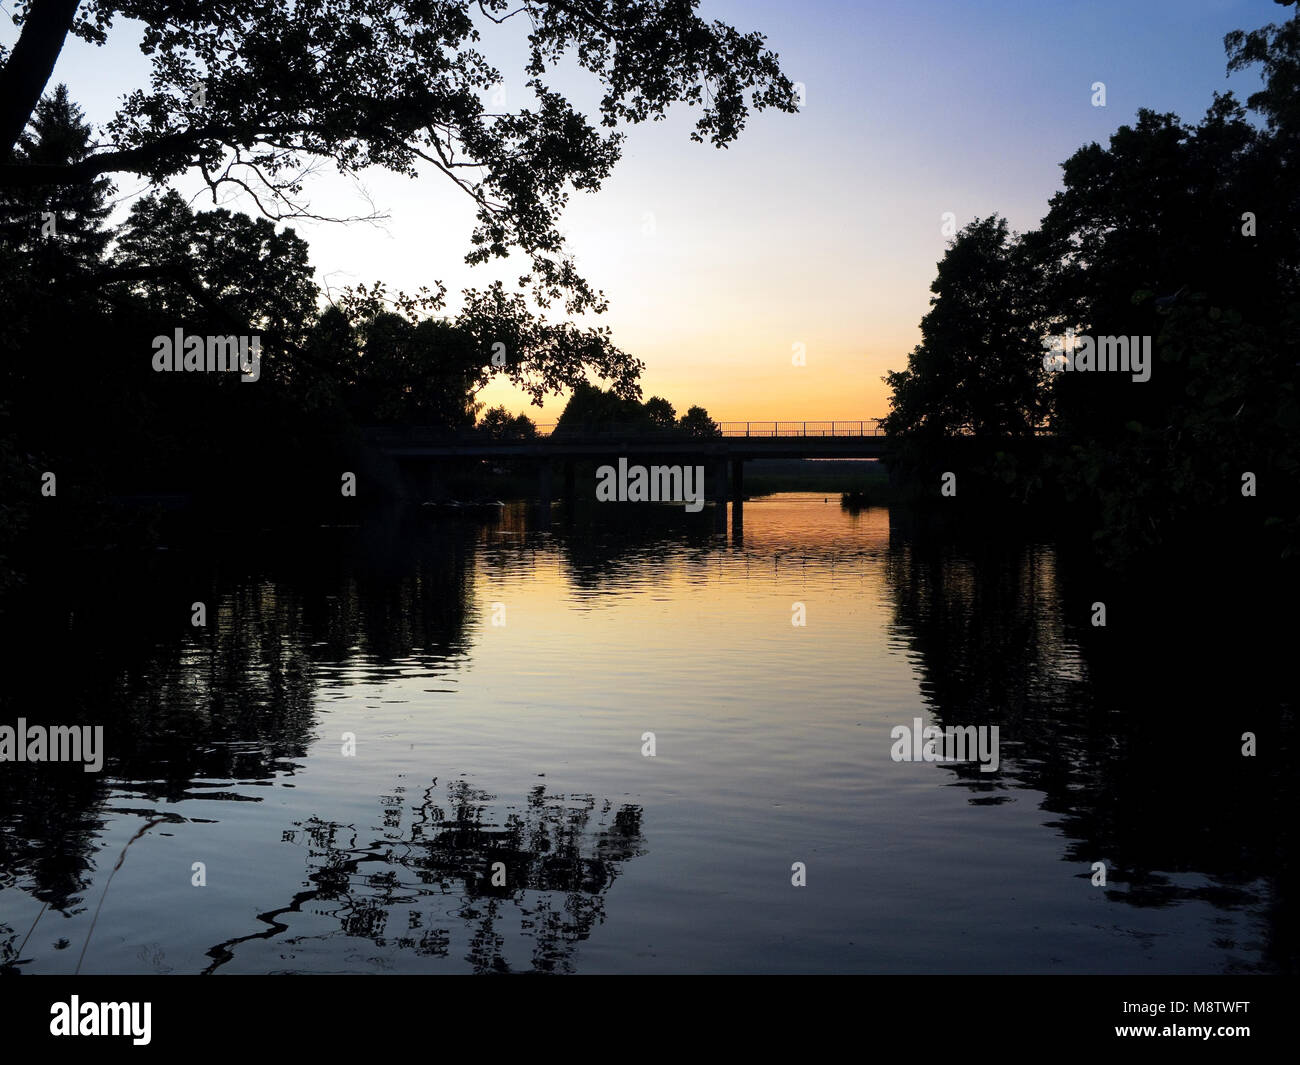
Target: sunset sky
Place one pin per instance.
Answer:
(820, 229)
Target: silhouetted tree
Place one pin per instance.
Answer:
(500, 424)
(54, 230)
(250, 92)
(979, 365)
(236, 274)
(418, 372)
(1188, 235)
(696, 422)
(660, 413)
(594, 409)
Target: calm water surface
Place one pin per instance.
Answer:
(499, 682)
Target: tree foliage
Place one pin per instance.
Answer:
(594, 409)
(253, 93)
(696, 422)
(978, 368)
(1187, 234)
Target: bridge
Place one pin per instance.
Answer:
(744, 440)
(730, 448)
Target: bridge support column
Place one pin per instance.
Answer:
(737, 496)
(544, 495)
(720, 495)
(570, 485)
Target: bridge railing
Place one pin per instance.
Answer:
(869, 427)
(431, 434)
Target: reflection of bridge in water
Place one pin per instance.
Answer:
(724, 455)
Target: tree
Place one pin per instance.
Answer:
(253, 95)
(250, 92)
(235, 274)
(979, 366)
(594, 409)
(540, 356)
(1186, 234)
(50, 239)
(413, 372)
(1148, 239)
(660, 413)
(1276, 49)
(696, 422)
(1149, 220)
(499, 424)
(64, 221)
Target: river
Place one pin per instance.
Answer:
(445, 741)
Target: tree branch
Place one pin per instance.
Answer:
(136, 160)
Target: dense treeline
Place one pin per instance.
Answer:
(1187, 234)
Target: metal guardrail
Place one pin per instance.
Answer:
(416, 435)
(821, 429)
(867, 427)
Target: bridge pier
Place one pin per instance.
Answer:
(570, 484)
(737, 497)
(720, 495)
(544, 495)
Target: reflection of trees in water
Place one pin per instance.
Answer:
(48, 831)
(9, 949)
(111, 644)
(401, 591)
(1132, 731)
(431, 872)
(600, 553)
(608, 548)
(640, 542)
